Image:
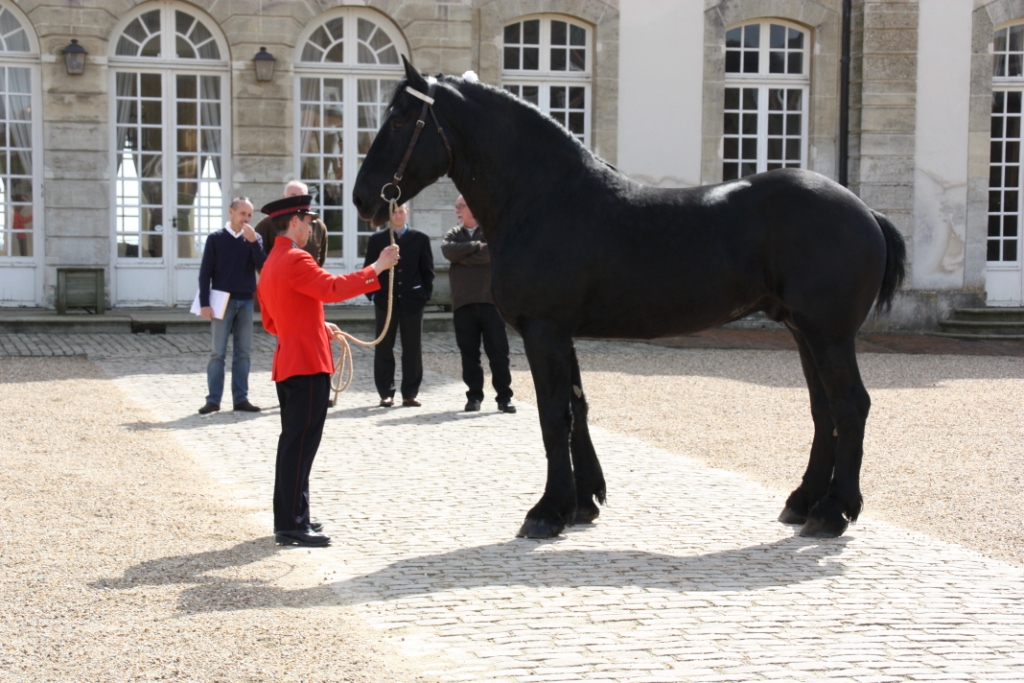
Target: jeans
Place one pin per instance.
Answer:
(236, 323)
(473, 322)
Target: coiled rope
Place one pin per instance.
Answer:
(342, 375)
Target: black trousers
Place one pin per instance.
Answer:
(407, 318)
(474, 322)
(303, 412)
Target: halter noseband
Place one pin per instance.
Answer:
(428, 101)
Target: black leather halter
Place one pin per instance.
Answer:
(428, 101)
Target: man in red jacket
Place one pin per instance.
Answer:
(292, 290)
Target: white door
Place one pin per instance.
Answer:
(1004, 285)
(169, 110)
(169, 187)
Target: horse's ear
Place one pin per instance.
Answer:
(413, 77)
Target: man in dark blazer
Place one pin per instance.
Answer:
(414, 284)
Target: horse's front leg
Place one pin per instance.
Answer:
(549, 351)
(586, 467)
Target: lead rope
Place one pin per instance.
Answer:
(342, 375)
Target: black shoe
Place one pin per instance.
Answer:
(472, 405)
(247, 407)
(507, 407)
(411, 403)
(387, 402)
(209, 408)
(309, 539)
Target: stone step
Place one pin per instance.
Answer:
(992, 313)
(980, 329)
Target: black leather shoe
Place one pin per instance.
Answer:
(387, 402)
(507, 407)
(247, 407)
(308, 539)
(411, 403)
(472, 406)
(209, 408)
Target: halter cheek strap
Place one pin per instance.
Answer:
(428, 101)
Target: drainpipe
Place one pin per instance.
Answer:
(844, 98)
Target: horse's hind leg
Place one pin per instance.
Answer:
(849, 405)
(549, 350)
(586, 467)
(815, 481)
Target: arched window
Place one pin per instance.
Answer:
(767, 67)
(17, 151)
(169, 71)
(348, 66)
(1004, 206)
(548, 61)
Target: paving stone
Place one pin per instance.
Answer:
(673, 583)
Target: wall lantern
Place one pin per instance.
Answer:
(74, 58)
(264, 62)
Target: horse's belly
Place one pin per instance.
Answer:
(651, 319)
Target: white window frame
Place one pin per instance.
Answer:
(764, 82)
(354, 229)
(1006, 84)
(182, 271)
(544, 78)
(29, 60)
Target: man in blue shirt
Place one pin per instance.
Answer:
(230, 260)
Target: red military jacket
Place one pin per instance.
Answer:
(292, 290)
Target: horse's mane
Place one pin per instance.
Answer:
(500, 98)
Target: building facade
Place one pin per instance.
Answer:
(128, 166)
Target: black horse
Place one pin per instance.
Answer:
(580, 250)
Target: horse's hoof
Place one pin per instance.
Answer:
(818, 528)
(791, 516)
(586, 514)
(539, 528)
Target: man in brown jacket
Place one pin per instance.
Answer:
(475, 315)
(317, 245)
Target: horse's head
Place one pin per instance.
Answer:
(409, 153)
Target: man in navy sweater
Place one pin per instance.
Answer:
(230, 260)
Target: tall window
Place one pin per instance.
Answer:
(547, 61)
(766, 93)
(16, 150)
(169, 99)
(1004, 197)
(348, 67)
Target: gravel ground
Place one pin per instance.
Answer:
(113, 588)
(944, 450)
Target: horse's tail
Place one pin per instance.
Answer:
(895, 261)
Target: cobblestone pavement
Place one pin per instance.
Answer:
(685, 577)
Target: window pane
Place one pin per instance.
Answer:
(511, 58)
(531, 32)
(531, 58)
(512, 33)
(777, 37)
(577, 35)
(750, 62)
(557, 60)
(752, 35)
(558, 33)
(577, 60)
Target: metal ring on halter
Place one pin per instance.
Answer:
(384, 189)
